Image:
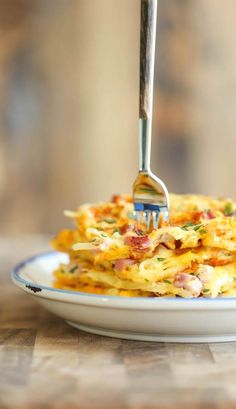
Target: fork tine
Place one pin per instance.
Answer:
(149, 191)
(148, 220)
(139, 217)
(155, 219)
(145, 216)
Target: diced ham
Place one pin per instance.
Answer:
(188, 282)
(125, 228)
(207, 215)
(130, 227)
(123, 263)
(169, 241)
(139, 243)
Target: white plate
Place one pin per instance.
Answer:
(146, 319)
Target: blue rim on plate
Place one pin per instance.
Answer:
(35, 287)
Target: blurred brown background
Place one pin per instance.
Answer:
(69, 103)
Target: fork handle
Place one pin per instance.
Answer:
(147, 57)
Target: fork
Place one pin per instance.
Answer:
(151, 198)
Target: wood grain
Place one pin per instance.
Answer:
(45, 364)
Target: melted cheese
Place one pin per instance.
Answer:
(200, 241)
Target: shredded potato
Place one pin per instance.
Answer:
(193, 255)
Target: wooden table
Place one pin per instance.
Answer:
(45, 364)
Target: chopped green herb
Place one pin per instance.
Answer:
(116, 230)
(185, 226)
(234, 278)
(197, 227)
(203, 231)
(167, 282)
(147, 281)
(160, 258)
(103, 235)
(206, 290)
(72, 270)
(191, 224)
(228, 209)
(109, 220)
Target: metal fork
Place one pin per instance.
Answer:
(151, 198)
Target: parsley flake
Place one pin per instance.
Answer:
(103, 235)
(185, 226)
(167, 281)
(228, 209)
(109, 220)
(206, 290)
(197, 227)
(191, 224)
(72, 270)
(160, 258)
(203, 231)
(116, 230)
